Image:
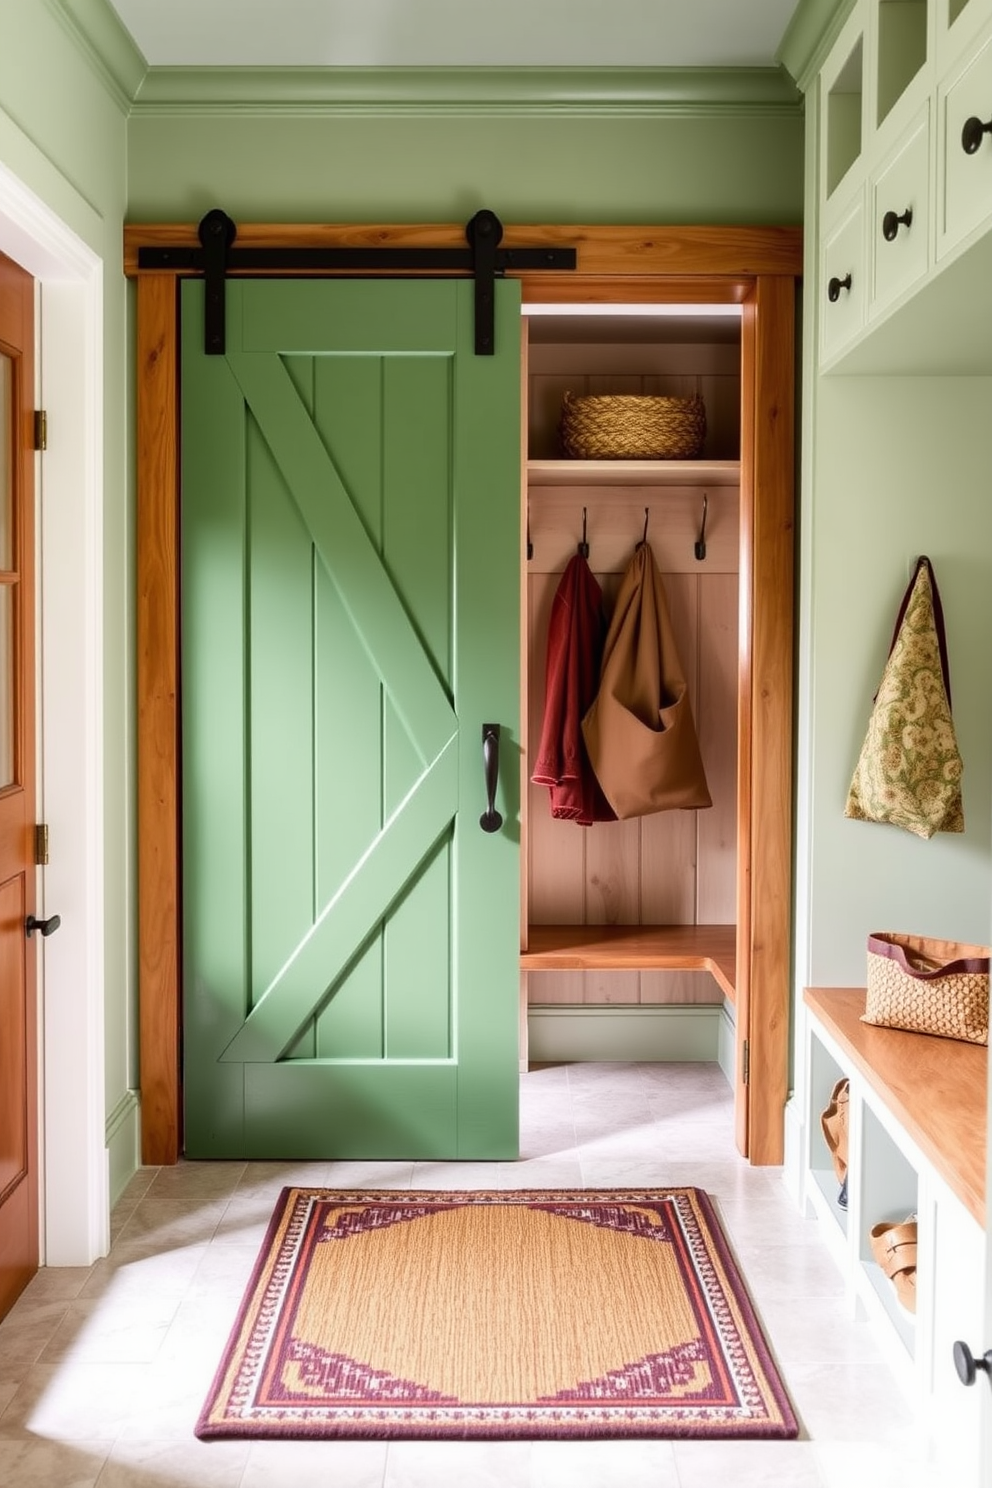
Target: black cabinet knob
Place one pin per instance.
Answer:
(44, 927)
(968, 1367)
(835, 285)
(971, 134)
(892, 221)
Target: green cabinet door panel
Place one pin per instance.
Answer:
(350, 620)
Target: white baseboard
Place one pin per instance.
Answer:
(123, 1143)
(727, 1048)
(622, 1035)
(792, 1172)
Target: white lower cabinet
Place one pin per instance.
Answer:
(890, 1179)
(952, 1308)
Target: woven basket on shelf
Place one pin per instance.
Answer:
(628, 427)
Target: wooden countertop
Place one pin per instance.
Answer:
(935, 1087)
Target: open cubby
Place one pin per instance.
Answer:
(890, 1192)
(844, 117)
(654, 895)
(824, 1074)
(902, 49)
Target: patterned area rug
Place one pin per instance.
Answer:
(494, 1315)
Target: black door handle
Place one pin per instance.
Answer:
(490, 820)
(968, 1367)
(45, 927)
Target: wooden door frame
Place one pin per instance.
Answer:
(755, 267)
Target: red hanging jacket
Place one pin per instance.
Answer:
(575, 646)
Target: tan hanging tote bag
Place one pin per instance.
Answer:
(639, 730)
(909, 772)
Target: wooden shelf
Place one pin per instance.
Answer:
(633, 472)
(633, 948)
(935, 1087)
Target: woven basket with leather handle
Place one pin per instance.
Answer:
(928, 986)
(625, 426)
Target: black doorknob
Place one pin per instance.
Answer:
(968, 1367)
(44, 927)
(835, 286)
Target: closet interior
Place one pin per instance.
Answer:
(640, 912)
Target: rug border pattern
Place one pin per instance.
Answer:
(758, 1406)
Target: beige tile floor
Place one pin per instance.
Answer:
(103, 1370)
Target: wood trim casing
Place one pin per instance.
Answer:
(689, 253)
(765, 768)
(757, 267)
(158, 719)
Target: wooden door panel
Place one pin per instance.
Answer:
(376, 316)
(14, 1051)
(344, 546)
(324, 954)
(314, 1109)
(331, 741)
(19, 1115)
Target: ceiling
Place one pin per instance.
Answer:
(457, 33)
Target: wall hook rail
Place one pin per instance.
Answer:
(700, 548)
(482, 258)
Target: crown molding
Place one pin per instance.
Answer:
(467, 90)
(101, 38)
(809, 36)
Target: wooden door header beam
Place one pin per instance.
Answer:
(635, 253)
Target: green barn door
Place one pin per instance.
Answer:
(350, 614)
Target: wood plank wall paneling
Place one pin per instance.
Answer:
(677, 371)
(675, 867)
(158, 723)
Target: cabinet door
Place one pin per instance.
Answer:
(954, 1309)
(900, 217)
(842, 277)
(350, 579)
(959, 22)
(964, 162)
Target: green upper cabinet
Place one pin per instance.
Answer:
(350, 620)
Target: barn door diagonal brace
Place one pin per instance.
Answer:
(483, 258)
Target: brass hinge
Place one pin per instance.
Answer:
(746, 1063)
(40, 429)
(41, 844)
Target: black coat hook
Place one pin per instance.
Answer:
(583, 545)
(645, 535)
(700, 548)
(530, 545)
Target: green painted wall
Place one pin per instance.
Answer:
(63, 134)
(710, 167)
(901, 469)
